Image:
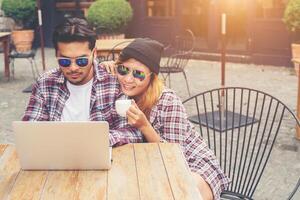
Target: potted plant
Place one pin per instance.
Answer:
(109, 17)
(292, 20)
(23, 13)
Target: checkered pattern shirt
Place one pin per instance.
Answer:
(169, 119)
(50, 94)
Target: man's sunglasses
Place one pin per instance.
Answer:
(66, 62)
(138, 74)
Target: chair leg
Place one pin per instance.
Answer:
(164, 78)
(13, 68)
(169, 75)
(35, 66)
(186, 81)
(32, 70)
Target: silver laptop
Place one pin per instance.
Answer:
(63, 145)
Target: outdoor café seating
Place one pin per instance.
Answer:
(109, 49)
(241, 126)
(177, 56)
(28, 55)
(116, 49)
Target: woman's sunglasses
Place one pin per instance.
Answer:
(66, 62)
(138, 74)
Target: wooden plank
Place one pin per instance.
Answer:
(152, 176)
(9, 170)
(61, 185)
(181, 180)
(72, 5)
(92, 185)
(122, 177)
(29, 185)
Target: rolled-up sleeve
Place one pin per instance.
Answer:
(36, 109)
(122, 133)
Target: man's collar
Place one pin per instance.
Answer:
(61, 78)
(99, 72)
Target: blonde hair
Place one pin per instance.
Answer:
(149, 98)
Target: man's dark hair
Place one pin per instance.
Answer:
(74, 29)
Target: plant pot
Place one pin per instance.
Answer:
(296, 54)
(22, 40)
(110, 36)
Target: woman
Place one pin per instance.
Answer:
(160, 115)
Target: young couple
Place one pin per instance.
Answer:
(82, 89)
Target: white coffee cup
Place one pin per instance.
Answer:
(122, 105)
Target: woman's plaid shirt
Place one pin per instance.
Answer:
(169, 119)
(50, 94)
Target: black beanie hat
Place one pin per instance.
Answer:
(146, 51)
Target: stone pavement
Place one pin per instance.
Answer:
(284, 166)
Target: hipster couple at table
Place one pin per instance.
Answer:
(81, 89)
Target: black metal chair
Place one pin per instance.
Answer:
(29, 55)
(295, 190)
(177, 56)
(113, 54)
(241, 126)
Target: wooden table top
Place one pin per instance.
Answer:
(3, 34)
(139, 171)
(109, 44)
(296, 60)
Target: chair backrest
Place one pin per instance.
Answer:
(241, 126)
(185, 42)
(181, 50)
(295, 190)
(14, 50)
(113, 54)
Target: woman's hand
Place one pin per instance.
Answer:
(136, 117)
(139, 120)
(109, 66)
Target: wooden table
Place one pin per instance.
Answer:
(139, 171)
(297, 62)
(104, 47)
(5, 39)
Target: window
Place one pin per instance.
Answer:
(270, 8)
(160, 8)
(70, 6)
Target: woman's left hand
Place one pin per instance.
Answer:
(136, 117)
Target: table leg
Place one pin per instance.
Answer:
(298, 106)
(6, 58)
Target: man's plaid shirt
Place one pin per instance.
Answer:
(169, 119)
(50, 94)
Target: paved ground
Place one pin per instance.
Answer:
(281, 82)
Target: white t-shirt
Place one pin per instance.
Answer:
(77, 107)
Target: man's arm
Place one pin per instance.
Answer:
(36, 109)
(122, 133)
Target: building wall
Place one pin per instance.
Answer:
(254, 27)
(255, 30)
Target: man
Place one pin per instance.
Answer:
(79, 90)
